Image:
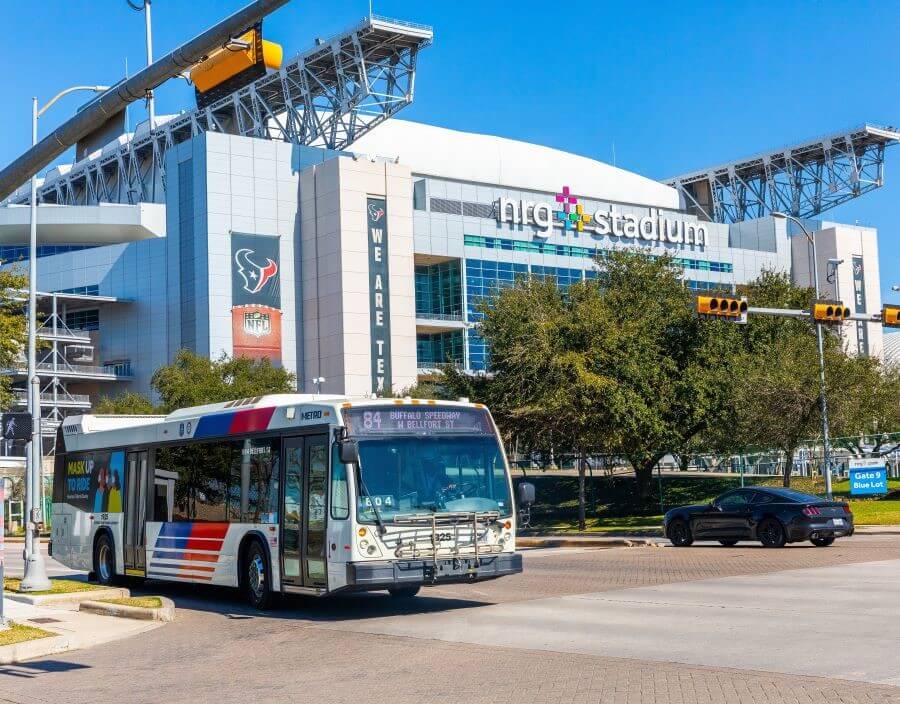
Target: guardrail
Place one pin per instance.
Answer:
(456, 317)
(22, 398)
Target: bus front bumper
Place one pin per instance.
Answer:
(367, 576)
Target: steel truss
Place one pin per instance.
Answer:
(328, 96)
(803, 180)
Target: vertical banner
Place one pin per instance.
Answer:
(379, 295)
(255, 296)
(859, 302)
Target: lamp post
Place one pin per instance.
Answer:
(822, 400)
(144, 6)
(35, 577)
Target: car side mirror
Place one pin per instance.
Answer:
(713, 507)
(349, 451)
(525, 494)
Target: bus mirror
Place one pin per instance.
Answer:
(525, 494)
(349, 451)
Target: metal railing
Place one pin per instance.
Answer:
(455, 317)
(21, 398)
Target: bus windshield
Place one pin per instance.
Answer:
(450, 473)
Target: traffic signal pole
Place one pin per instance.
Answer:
(822, 401)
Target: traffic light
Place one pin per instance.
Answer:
(890, 316)
(830, 312)
(734, 309)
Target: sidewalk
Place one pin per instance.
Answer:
(74, 629)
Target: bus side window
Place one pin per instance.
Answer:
(340, 499)
(163, 495)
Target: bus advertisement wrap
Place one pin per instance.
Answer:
(94, 482)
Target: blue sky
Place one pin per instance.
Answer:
(666, 87)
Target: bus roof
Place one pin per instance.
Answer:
(249, 415)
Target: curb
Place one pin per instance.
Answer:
(164, 613)
(29, 649)
(876, 530)
(559, 541)
(71, 598)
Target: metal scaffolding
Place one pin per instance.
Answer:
(328, 96)
(803, 180)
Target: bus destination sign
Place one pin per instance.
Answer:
(417, 420)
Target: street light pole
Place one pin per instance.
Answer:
(823, 402)
(35, 576)
(144, 6)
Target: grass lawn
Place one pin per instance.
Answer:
(144, 602)
(874, 511)
(19, 633)
(615, 507)
(58, 586)
(595, 524)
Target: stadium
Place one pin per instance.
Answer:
(311, 227)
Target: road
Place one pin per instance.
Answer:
(633, 625)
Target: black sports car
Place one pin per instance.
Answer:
(772, 516)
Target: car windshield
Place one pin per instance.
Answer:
(407, 475)
(792, 495)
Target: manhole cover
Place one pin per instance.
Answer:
(44, 619)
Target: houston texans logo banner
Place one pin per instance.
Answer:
(255, 296)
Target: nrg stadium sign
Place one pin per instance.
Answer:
(567, 213)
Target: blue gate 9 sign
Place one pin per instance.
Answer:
(868, 476)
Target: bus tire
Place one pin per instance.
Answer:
(403, 592)
(256, 577)
(105, 559)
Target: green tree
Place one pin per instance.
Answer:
(13, 326)
(775, 373)
(617, 364)
(864, 407)
(128, 403)
(193, 380)
(666, 364)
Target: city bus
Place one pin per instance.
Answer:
(289, 493)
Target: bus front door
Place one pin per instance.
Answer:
(135, 513)
(305, 498)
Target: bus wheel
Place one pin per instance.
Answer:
(256, 581)
(403, 592)
(105, 560)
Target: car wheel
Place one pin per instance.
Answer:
(105, 560)
(256, 578)
(822, 542)
(403, 592)
(680, 534)
(729, 543)
(771, 533)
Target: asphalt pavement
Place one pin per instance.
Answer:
(638, 625)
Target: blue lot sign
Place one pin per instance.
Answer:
(868, 476)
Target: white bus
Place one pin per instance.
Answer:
(289, 493)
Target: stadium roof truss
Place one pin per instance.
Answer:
(802, 180)
(328, 96)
